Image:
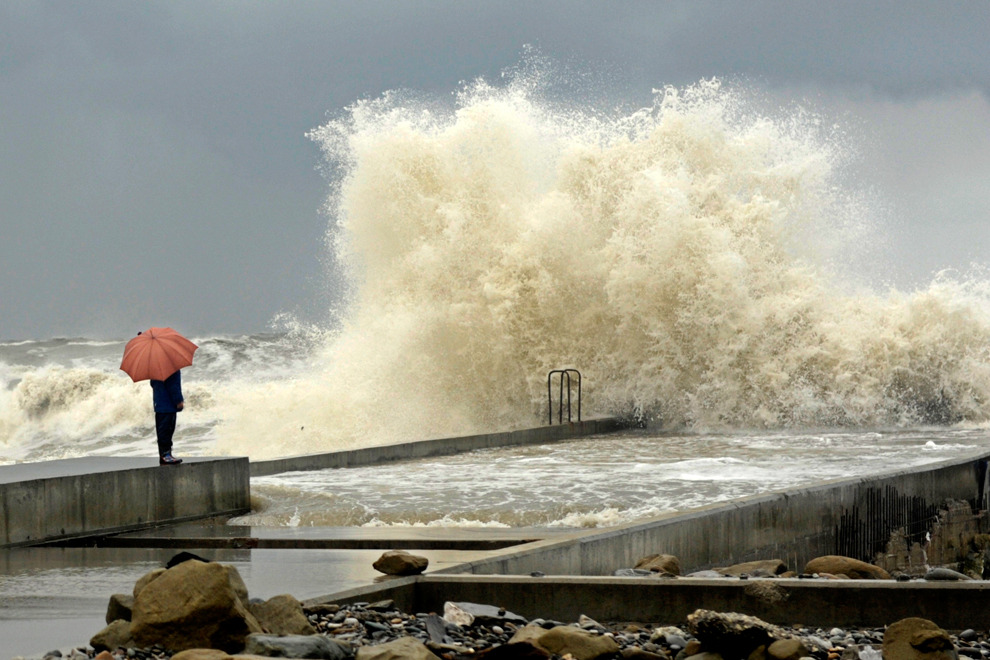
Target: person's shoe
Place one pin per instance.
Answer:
(168, 459)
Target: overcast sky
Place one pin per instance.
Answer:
(154, 167)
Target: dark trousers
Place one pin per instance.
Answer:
(165, 427)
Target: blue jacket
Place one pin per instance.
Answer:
(167, 393)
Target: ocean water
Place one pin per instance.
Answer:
(712, 268)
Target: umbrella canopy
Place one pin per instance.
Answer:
(157, 354)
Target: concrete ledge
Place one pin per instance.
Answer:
(873, 603)
(852, 517)
(437, 447)
(62, 499)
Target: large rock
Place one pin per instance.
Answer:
(839, 565)
(194, 605)
(788, 649)
(660, 564)
(400, 562)
(917, 639)
(116, 635)
(201, 654)
(731, 635)
(146, 579)
(120, 607)
(760, 567)
(561, 640)
(318, 647)
(282, 615)
(404, 648)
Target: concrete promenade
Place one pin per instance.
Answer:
(436, 447)
(98, 496)
(126, 516)
(87, 496)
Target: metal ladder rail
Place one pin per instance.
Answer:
(564, 374)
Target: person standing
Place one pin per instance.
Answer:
(168, 402)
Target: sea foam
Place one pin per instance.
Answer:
(682, 256)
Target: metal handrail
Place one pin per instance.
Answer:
(564, 373)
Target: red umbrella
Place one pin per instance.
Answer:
(157, 354)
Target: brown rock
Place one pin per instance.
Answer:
(400, 562)
(759, 653)
(201, 654)
(531, 632)
(581, 644)
(114, 636)
(729, 634)
(760, 566)
(853, 568)
(693, 648)
(194, 605)
(282, 615)
(146, 579)
(660, 564)
(917, 639)
(788, 649)
(515, 651)
(634, 653)
(104, 655)
(119, 607)
(404, 648)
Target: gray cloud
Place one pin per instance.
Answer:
(155, 163)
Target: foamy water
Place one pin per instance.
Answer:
(696, 259)
(591, 482)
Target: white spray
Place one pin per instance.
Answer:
(676, 255)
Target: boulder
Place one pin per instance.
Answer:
(400, 562)
(201, 654)
(561, 640)
(282, 615)
(660, 564)
(731, 635)
(761, 566)
(116, 635)
(194, 605)
(853, 568)
(295, 646)
(788, 649)
(404, 648)
(146, 579)
(119, 607)
(917, 639)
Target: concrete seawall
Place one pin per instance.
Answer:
(786, 602)
(852, 517)
(437, 447)
(63, 499)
